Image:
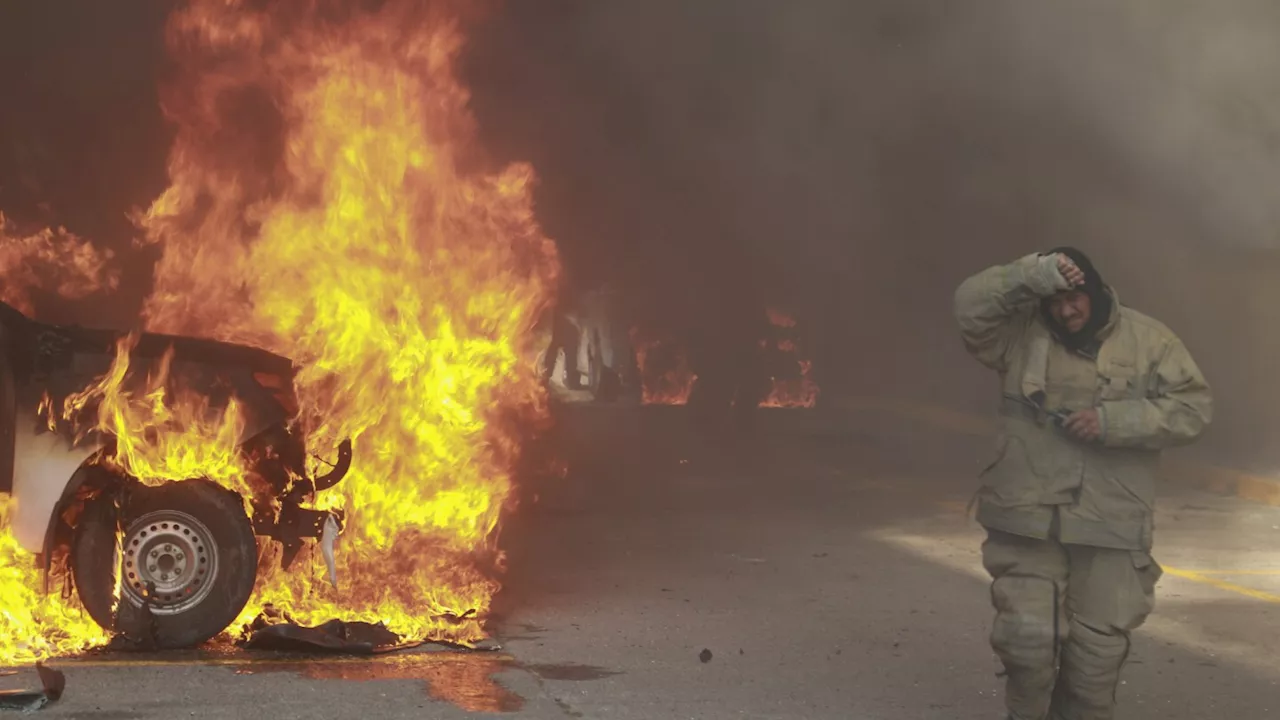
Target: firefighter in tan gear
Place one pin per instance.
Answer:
(1092, 392)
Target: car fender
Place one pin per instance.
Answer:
(45, 464)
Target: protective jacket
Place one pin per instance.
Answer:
(1149, 392)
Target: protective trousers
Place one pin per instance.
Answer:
(1063, 617)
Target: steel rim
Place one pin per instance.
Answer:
(173, 551)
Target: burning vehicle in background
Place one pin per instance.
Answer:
(595, 350)
(153, 553)
(768, 366)
(590, 349)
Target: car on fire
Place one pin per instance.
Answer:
(169, 564)
(605, 358)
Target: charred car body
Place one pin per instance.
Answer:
(168, 564)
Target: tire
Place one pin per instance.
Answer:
(201, 555)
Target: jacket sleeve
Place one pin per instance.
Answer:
(989, 305)
(1180, 410)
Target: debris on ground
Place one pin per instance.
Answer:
(275, 630)
(53, 683)
(705, 655)
(135, 626)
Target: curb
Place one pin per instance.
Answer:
(1209, 478)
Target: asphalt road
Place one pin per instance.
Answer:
(826, 568)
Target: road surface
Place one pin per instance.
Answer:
(824, 570)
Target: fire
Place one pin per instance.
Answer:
(328, 202)
(160, 437)
(52, 259)
(33, 624)
(789, 390)
(668, 380)
(799, 392)
(376, 253)
(664, 370)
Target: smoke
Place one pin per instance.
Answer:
(855, 161)
(851, 162)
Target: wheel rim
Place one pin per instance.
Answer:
(175, 552)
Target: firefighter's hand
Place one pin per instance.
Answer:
(1084, 425)
(1070, 271)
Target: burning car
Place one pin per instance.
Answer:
(154, 554)
(605, 362)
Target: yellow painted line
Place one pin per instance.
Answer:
(1224, 585)
(1262, 573)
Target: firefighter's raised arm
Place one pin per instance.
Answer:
(993, 307)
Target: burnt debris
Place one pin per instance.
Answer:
(52, 682)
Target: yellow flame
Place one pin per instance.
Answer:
(328, 202)
(34, 625)
(162, 435)
(405, 284)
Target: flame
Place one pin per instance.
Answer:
(668, 380)
(789, 391)
(664, 370)
(376, 253)
(159, 435)
(328, 201)
(51, 259)
(794, 393)
(34, 625)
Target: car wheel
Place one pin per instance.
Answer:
(191, 540)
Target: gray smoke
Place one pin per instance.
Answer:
(850, 161)
(857, 160)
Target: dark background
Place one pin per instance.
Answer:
(851, 161)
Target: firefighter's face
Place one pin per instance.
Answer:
(1071, 309)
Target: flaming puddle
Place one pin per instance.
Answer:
(328, 203)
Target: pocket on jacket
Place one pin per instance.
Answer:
(1122, 385)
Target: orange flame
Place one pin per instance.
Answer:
(669, 380)
(790, 392)
(50, 259)
(159, 436)
(404, 281)
(328, 202)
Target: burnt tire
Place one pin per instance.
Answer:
(191, 540)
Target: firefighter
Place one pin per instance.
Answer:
(1093, 391)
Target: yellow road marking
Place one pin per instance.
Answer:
(1224, 585)
(1235, 572)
